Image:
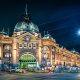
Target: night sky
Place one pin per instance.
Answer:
(60, 17)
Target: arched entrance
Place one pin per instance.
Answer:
(27, 61)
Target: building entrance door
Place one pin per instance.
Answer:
(27, 61)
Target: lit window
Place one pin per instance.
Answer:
(34, 46)
(7, 47)
(7, 55)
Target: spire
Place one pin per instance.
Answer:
(8, 31)
(3, 30)
(44, 33)
(62, 47)
(73, 49)
(26, 17)
(26, 10)
(47, 33)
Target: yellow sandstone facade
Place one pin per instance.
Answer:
(26, 48)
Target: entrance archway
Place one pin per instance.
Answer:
(27, 61)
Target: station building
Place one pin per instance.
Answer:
(27, 48)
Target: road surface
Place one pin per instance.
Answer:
(40, 76)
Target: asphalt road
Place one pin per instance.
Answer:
(40, 76)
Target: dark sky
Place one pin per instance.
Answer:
(60, 17)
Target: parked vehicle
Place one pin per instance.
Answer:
(74, 69)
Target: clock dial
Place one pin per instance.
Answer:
(27, 38)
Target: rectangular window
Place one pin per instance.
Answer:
(34, 46)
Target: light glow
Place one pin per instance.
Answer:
(78, 32)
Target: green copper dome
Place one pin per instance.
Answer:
(24, 26)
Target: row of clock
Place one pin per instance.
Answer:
(29, 45)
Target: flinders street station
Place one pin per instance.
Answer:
(27, 48)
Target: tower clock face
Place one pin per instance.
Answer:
(27, 38)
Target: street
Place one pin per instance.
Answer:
(40, 76)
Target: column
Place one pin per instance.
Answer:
(14, 51)
(51, 55)
(39, 51)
